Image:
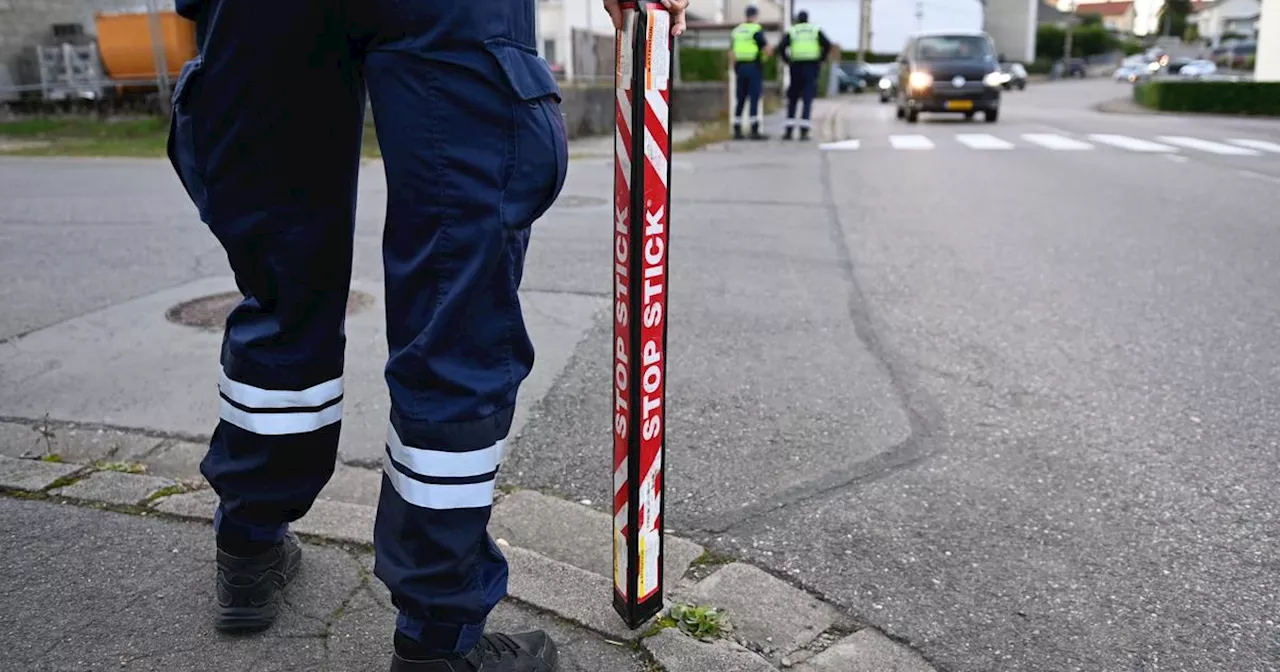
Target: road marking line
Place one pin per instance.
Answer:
(1056, 142)
(1176, 158)
(1261, 145)
(982, 141)
(1131, 144)
(910, 142)
(1259, 176)
(841, 146)
(1207, 145)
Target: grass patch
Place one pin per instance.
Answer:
(708, 133)
(711, 558)
(65, 481)
(123, 467)
(84, 135)
(167, 491)
(54, 458)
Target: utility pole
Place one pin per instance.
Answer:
(1067, 45)
(156, 31)
(919, 15)
(864, 32)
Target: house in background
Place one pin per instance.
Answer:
(1118, 17)
(1227, 19)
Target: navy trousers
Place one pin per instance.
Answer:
(266, 135)
(750, 87)
(804, 87)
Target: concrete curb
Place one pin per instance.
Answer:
(560, 558)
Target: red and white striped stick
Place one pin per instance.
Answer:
(641, 211)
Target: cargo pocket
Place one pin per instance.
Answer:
(540, 145)
(182, 147)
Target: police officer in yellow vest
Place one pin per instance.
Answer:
(749, 46)
(804, 47)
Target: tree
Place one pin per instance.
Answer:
(1173, 17)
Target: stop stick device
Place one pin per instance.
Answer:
(641, 208)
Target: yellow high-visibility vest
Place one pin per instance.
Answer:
(744, 42)
(805, 45)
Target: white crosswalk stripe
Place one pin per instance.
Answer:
(1131, 144)
(1055, 142)
(1260, 145)
(843, 145)
(1173, 145)
(1207, 145)
(910, 142)
(982, 141)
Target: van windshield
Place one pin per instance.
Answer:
(952, 47)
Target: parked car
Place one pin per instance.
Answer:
(1015, 76)
(1070, 67)
(888, 84)
(1129, 73)
(949, 72)
(1198, 68)
(853, 76)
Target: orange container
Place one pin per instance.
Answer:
(124, 42)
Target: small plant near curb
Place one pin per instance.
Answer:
(53, 457)
(167, 491)
(123, 467)
(699, 622)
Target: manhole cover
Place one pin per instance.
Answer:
(210, 312)
(580, 202)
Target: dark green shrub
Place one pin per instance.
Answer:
(1248, 98)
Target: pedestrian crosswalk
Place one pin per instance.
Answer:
(1060, 142)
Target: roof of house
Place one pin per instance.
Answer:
(1106, 8)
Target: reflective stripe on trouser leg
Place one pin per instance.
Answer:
(242, 139)
(459, 217)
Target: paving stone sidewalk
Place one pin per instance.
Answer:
(114, 525)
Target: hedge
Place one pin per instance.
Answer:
(712, 65)
(1248, 98)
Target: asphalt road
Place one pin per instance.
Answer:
(1009, 398)
(1016, 405)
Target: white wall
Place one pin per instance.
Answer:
(891, 20)
(1268, 68)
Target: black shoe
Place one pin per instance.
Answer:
(525, 652)
(804, 134)
(248, 588)
(755, 133)
(786, 135)
(737, 132)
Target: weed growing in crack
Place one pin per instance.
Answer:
(701, 622)
(123, 467)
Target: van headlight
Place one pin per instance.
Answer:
(920, 80)
(885, 83)
(994, 79)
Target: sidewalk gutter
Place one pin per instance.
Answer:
(561, 560)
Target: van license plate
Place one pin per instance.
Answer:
(959, 104)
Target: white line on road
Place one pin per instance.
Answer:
(1056, 142)
(1131, 144)
(841, 146)
(1261, 145)
(1207, 145)
(910, 142)
(1259, 176)
(982, 141)
(1176, 158)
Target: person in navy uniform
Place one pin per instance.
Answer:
(265, 136)
(749, 48)
(803, 48)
